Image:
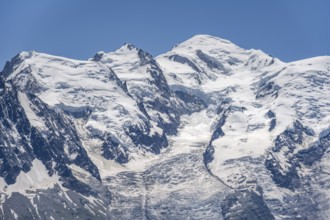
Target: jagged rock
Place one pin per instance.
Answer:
(207, 130)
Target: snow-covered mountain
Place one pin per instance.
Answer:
(207, 130)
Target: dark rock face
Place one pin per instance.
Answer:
(289, 179)
(61, 147)
(161, 102)
(98, 56)
(184, 60)
(16, 154)
(71, 206)
(153, 143)
(208, 155)
(287, 175)
(224, 109)
(10, 65)
(162, 99)
(140, 136)
(218, 132)
(268, 89)
(316, 151)
(50, 146)
(272, 116)
(211, 62)
(245, 204)
(193, 103)
(112, 151)
(292, 136)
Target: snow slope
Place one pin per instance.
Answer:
(208, 130)
(147, 84)
(255, 100)
(90, 92)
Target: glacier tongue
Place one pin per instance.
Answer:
(167, 183)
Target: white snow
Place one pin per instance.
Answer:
(125, 62)
(79, 173)
(80, 87)
(240, 86)
(233, 58)
(33, 118)
(14, 214)
(194, 133)
(304, 92)
(36, 178)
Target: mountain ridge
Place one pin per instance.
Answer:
(205, 112)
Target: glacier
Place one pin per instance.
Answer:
(207, 130)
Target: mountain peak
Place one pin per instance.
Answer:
(130, 46)
(77, 136)
(204, 37)
(126, 54)
(127, 48)
(203, 41)
(16, 60)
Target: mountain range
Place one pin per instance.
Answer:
(207, 130)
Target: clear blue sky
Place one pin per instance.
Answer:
(287, 29)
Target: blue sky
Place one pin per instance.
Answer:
(287, 29)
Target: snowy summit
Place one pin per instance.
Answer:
(207, 130)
